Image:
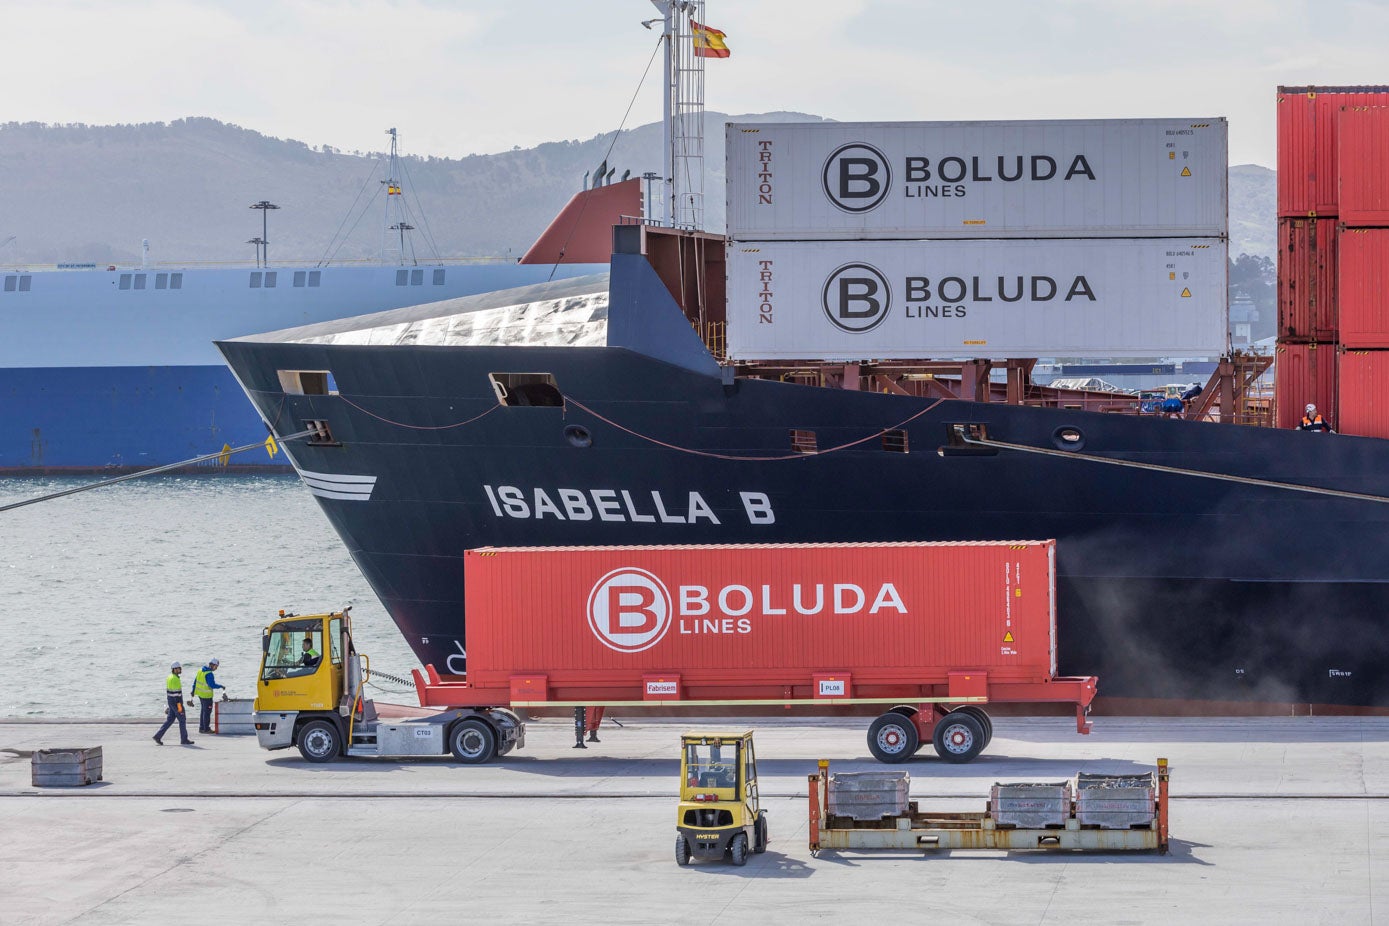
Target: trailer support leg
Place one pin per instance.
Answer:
(580, 721)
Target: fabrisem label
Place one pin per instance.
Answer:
(662, 689)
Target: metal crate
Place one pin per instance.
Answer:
(66, 768)
(869, 795)
(1030, 805)
(1115, 802)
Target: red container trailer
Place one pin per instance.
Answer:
(1362, 164)
(1362, 259)
(1307, 280)
(1307, 145)
(1304, 373)
(932, 629)
(1363, 404)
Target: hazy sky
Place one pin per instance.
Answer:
(469, 76)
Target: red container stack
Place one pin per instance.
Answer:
(1333, 234)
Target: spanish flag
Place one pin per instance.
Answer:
(708, 43)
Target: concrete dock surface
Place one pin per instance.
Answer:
(1273, 820)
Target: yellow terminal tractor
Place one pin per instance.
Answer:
(720, 814)
(310, 696)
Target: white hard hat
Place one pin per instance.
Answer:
(214, 661)
(1310, 408)
(177, 665)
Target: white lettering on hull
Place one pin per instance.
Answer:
(619, 505)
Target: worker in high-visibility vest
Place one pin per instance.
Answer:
(203, 685)
(173, 694)
(1313, 421)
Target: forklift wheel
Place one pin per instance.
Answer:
(738, 850)
(760, 828)
(682, 850)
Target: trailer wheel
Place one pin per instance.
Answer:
(959, 737)
(893, 738)
(319, 741)
(985, 721)
(472, 741)
(682, 850)
(738, 850)
(759, 844)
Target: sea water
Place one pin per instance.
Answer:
(101, 591)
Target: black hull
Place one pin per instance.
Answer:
(1169, 587)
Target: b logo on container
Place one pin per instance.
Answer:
(856, 177)
(856, 298)
(629, 610)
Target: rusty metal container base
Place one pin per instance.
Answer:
(977, 831)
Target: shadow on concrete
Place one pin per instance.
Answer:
(770, 864)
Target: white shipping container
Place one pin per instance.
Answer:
(912, 300)
(1118, 178)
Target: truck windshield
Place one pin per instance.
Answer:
(712, 766)
(294, 648)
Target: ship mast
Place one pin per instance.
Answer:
(682, 199)
(395, 226)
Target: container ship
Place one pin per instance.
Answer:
(113, 369)
(711, 389)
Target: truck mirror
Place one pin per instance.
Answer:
(264, 643)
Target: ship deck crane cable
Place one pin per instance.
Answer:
(1174, 470)
(616, 135)
(152, 472)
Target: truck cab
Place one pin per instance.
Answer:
(310, 695)
(720, 814)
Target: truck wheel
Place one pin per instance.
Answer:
(682, 850)
(738, 850)
(759, 844)
(959, 737)
(893, 738)
(319, 741)
(985, 721)
(472, 741)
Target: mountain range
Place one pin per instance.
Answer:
(91, 194)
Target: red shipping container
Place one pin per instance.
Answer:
(1363, 404)
(1307, 280)
(1304, 373)
(1307, 145)
(733, 617)
(1362, 259)
(1362, 163)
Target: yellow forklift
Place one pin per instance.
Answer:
(720, 814)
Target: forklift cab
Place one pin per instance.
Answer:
(720, 814)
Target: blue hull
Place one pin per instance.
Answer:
(76, 419)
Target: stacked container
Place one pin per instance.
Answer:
(1333, 236)
(907, 241)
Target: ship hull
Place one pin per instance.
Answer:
(114, 371)
(117, 419)
(1169, 586)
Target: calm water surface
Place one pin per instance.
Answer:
(100, 591)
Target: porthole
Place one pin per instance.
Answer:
(578, 436)
(1068, 438)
